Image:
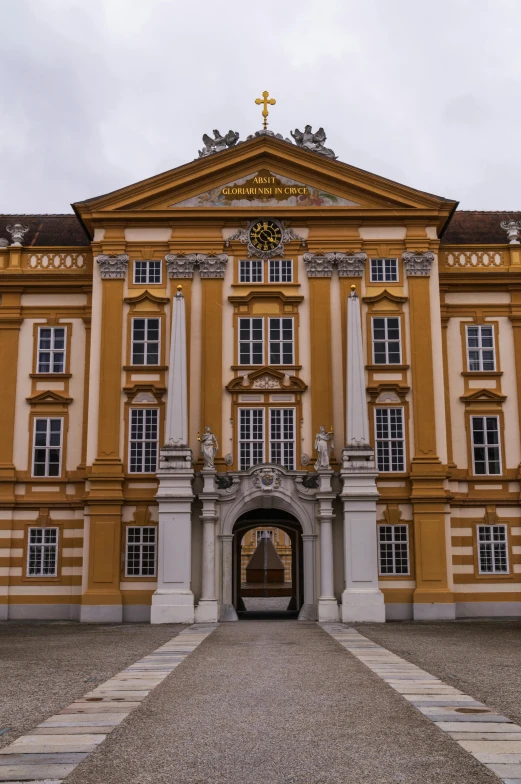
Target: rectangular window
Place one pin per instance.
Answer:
(390, 440)
(386, 341)
(143, 442)
(51, 350)
(251, 341)
(393, 549)
(145, 341)
(485, 445)
(140, 556)
(492, 543)
(281, 270)
(250, 271)
(282, 437)
(42, 552)
(261, 534)
(384, 270)
(47, 447)
(480, 348)
(147, 272)
(281, 341)
(251, 437)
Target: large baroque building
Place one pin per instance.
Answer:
(263, 291)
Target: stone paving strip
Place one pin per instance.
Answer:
(47, 754)
(492, 739)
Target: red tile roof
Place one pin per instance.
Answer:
(47, 229)
(469, 227)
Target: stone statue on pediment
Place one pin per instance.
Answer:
(218, 143)
(312, 141)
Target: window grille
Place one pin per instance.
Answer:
(251, 341)
(386, 341)
(281, 270)
(485, 445)
(492, 543)
(393, 546)
(42, 552)
(281, 341)
(47, 447)
(51, 350)
(480, 348)
(250, 271)
(145, 341)
(143, 442)
(282, 437)
(384, 270)
(251, 437)
(140, 556)
(147, 272)
(390, 440)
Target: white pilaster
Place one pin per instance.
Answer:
(207, 611)
(308, 610)
(173, 601)
(361, 600)
(327, 603)
(228, 612)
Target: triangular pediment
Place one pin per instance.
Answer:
(203, 185)
(483, 396)
(48, 396)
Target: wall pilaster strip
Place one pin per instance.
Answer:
(10, 324)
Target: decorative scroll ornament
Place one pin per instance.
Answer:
(210, 265)
(512, 228)
(319, 266)
(266, 478)
(113, 266)
(218, 143)
(287, 235)
(17, 232)
(418, 263)
(351, 266)
(312, 141)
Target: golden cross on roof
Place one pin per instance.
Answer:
(265, 100)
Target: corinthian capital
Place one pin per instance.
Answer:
(319, 266)
(351, 266)
(113, 266)
(180, 266)
(212, 266)
(417, 263)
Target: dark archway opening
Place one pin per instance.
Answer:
(263, 598)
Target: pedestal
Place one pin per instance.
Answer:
(362, 600)
(173, 601)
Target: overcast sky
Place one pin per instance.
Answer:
(98, 94)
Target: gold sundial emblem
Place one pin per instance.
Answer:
(265, 101)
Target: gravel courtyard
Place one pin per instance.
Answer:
(45, 666)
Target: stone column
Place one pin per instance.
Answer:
(102, 601)
(361, 600)
(433, 599)
(207, 610)
(308, 611)
(173, 601)
(227, 610)
(327, 603)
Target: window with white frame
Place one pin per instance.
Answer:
(143, 440)
(147, 271)
(492, 544)
(480, 347)
(486, 455)
(261, 534)
(250, 271)
(251, 341)
(140, 554)
(281, 341)
(390, 439)
(51, 350)
(47, 446)
(393, 549)
(386, 341)
(384, 270)
(282, 437)
(42, 552)
(145, 341)
(251, 437)
(281, 270)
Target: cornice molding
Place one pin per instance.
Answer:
(146, 295)
(385, 294)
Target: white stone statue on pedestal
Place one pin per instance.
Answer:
(209, 447)
(323, 444)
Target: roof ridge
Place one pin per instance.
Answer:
(38, 215)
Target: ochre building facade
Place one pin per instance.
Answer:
(90, 528)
